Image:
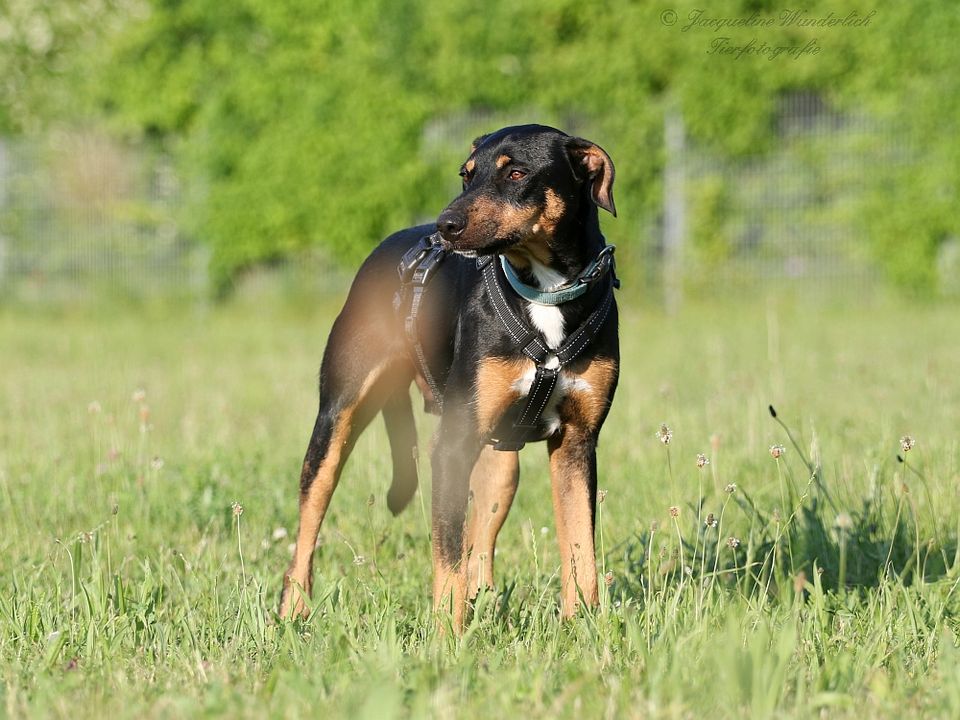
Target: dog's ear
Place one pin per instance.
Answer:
(476, 143)
(592, 164)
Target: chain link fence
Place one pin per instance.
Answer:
(80, 213)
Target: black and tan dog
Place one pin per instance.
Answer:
(528, 210)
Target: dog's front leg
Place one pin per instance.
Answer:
(573, 475)
(454, 455)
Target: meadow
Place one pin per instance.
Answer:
(149, 459)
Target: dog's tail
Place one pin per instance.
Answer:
(402, 431)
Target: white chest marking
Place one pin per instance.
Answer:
(547, 318)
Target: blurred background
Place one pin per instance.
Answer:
(171, 149)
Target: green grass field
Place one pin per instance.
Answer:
(129, 587)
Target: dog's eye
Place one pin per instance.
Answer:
(465, 176)
(517, 175)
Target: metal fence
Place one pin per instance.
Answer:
(80, 213)
(789, 214)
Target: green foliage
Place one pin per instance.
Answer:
(314, 124)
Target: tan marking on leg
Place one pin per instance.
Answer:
(449, 590)
(298, 580)
(503, 160)
(570, 481)
(493, 484)
(495, 390)
(587, 407)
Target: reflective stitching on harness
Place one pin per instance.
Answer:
(543, 403)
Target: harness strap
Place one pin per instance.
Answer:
(416, 269)
(534, 347)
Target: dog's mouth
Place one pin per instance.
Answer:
(494, 246)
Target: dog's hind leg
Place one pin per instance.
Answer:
(493, 484)
(355, 382)
(402, 431)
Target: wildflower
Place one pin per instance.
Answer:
(733, 543)
(702, 460)
(279, 534)
(711, 521)
(674, 511)
(94, 408)
(601, 495)
(359, 559)
(844, 522)
(730, 488)
(608, 578)
(237, 508)
(906, 443)
(139, 395)
(156, 463)
(665, 434)
(776, 451)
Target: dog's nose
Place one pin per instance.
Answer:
(451, 223)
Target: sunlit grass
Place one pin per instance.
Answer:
(148, 474)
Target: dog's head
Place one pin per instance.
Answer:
(522, 186)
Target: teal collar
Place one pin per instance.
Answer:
(593, 272)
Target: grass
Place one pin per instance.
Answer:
(144, 539)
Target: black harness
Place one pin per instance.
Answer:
(419, 265)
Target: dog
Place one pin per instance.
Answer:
(509, 329)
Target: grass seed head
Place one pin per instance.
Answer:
(664, 434)
(702, 460)
(907, 442)
(733, 543)
(674, 511)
